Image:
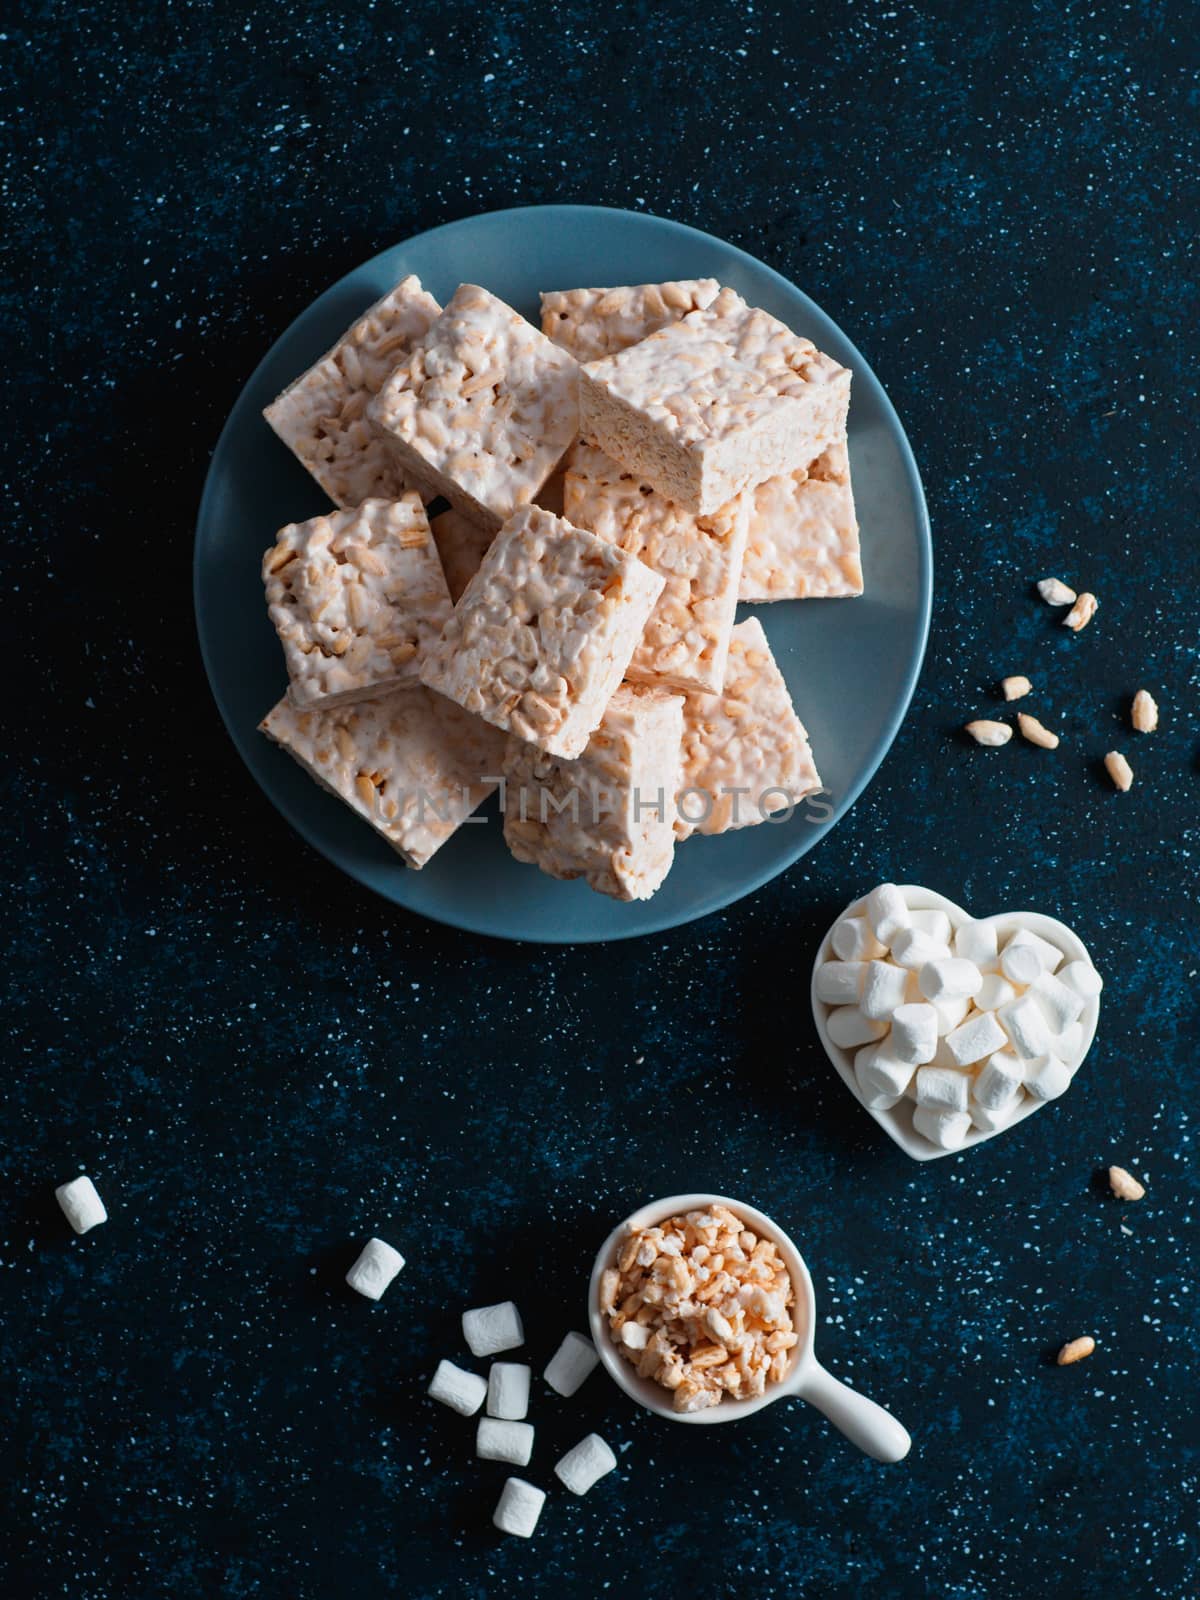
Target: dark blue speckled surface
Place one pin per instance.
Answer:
(259, 1064)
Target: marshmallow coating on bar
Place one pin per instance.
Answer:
(410, 763)
(355, 597)
(541, 637)
(592, 323)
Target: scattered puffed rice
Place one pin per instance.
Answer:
(1082, 612)
(1076, 1350)
(1124, 1185)
(1015, 688)
(1144, 712)
(375, 1268)
(991, 734)
(81, 1205)
(519, 1508)
(1056, 593)
(1033, 730)
(1118, 770)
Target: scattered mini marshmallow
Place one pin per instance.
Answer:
(1036, 732)
(490, 1329)
(848, 1028)
(1124, 1185)
(585, 1464)
(942, 1088)
(853, 940)
(1083, 978)
(1015, 688)
(1046, 1077)
(951, 978)
(571, 1363)
(508, 1391)
(519, 1508)
(913, 948)
(1061, 1004)
(990, 734)
(949, 1014)
(996, 991)
(1143, 713)
(914, 1035)
(1056, 593)
(375, 1268)
(81, 1204)
(946, 1129)
(1119, 771)
(463, 1392)
(884, 988)
(880, 1075)
(887, 912)
(1020, 965)
(497, 1440)
(1050, 956)
(933, 922)
(999, 1080)
(840, 983)
(976, 941)
(979, 1036)
(1081, 613)
(1024, 1021)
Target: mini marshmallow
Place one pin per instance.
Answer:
(949, 1014)
(879, 1075)
(942, 1088)
(990, 1119)
(999, 1080)
(976, 941)
(914, 1036)
(980, 1035)
(996, 991)
(946, 1129)
(504, 1441)
(1083, 978)
(375, 1268)
(935, 923)
(463, 1392)
(848, 1028)
(913, 948)
(1050, 956)
(951, 978)
(840, 983)
(884, 988)
(1061, 1005)
(1046, 1077)
(508, 1391)
(81, 1205)
(1068, 1046)
(519, 1508)
(1025, 1024)
(887, 912)
(570, 1364)
(853, 940)
(1020, 964)
(490, 1329)
(585, 1464)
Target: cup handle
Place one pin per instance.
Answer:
(874, 1430)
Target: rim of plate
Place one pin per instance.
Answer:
(708, 906)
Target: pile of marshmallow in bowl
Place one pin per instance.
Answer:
(972, 1023)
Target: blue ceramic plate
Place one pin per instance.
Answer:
(851, 664)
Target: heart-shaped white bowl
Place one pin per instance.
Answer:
(897, 1123)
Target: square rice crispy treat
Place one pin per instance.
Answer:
(322, 416)
(609, 815)
(484, 407)
(714, 404)
(355, 597)
(462, 545)
(592, 323)
(803, 542)
(686, 641)
(409, 763)
(746, 738)
(540, 639)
